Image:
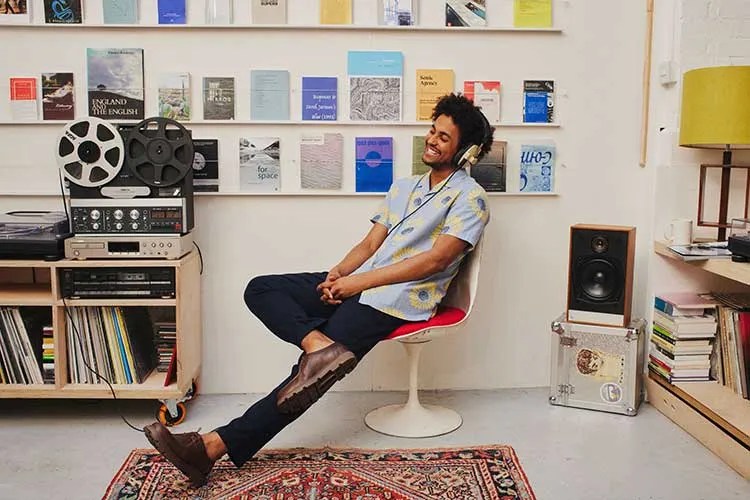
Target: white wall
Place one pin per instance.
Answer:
(597, 64)
(693, 34)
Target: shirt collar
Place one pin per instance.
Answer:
(424, 181)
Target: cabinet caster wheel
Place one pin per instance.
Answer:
(168, 419)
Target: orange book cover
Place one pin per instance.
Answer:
(22, 89)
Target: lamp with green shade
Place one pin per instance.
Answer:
(716, 115)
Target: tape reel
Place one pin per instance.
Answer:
(159, 151)
(90, 152)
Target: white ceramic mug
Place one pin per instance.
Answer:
(679, 232)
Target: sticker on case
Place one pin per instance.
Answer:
(611, 392)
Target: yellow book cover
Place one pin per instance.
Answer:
(432, 84)
(532, 13)
(118, 364)
(335, 11)
(127, 344)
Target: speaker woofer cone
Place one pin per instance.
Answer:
(599, 281)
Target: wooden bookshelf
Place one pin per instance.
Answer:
(713, 414)
(36, 283)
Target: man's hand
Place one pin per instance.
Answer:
(325, 287)
(347, 286)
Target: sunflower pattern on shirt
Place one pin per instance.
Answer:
(457, 208)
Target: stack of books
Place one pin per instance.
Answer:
(684, 327)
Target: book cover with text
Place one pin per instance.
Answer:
(538, 101)
(23, 99)
(397, 12)
(460, 13)
(218, 98)
(174, 96)
(335, 11)
(115, 83)
(321, 161)
(58, 96)
(319, 98)
(15, 12)
(268, 11)
(206, 165)
(63, 12)
(432, 84)
(418, 167)
(374, 164)
(532, 13)
(260, 164)
(269, 94)
(486, 95)
(537, 168)
(172, 11)
(375, 85)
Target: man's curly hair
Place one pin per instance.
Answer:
(468, 119)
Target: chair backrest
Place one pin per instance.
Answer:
(463, 288)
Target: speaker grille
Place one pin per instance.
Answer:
(600, 281)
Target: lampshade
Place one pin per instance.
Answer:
(716, 108)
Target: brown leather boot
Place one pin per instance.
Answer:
(185, 451)
(318, 371)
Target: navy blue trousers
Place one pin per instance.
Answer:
(290, 307)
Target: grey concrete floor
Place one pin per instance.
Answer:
(71, 449)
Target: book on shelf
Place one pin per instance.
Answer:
(260, 164)
(532, 13)
(120, 11)
(268, 11)
(206, 165)
(703, 326)
(489, 172)
(733, 356)
(172, 11)
(21, 348)
(398, 12)
(269, 94)
(219, 11)
(432, 84)
(538, 101)
(374, 164)
(375, 85)
(218, 98)
(15, 11)
(460, 13)
(115, 83)
(418, 167)
(23, 99)
(321, 161)
(319, 98)
(58, 96)
(174, 96)
(63, 12)
(537, 168)
(701, 251)
(335, 11)
(486, 95)
(684, 303)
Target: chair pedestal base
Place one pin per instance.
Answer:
(413, 421)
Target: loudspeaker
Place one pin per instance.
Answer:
(600, 274)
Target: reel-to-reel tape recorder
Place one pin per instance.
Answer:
(131, 188)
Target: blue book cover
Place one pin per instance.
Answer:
(172, 12)
(538, 101)
(269, 94)
(537, 168)
(374, 164)
(319, 98)
(120, 11)
(375, 85)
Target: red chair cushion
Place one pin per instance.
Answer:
(445, 316)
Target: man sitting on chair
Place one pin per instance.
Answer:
(398, 273)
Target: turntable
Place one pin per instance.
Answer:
(33, 235)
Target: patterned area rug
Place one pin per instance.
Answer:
(487, 472)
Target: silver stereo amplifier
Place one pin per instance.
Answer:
(168, 246)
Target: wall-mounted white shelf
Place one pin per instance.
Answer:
(306, 27)
(47, 194)
(343, 123)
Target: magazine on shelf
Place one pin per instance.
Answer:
(702, 251)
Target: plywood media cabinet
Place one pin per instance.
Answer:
(37, 283)
(711, 413)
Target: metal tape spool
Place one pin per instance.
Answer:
(159, 151)
(90, 152)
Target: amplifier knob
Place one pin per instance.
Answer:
(95, 225)
(161, 245)
(169, 245)
(134, 225)
(76, 253)
(95, 214)
(118, 225)
(153, 245)
(118, 214)
(134, 214)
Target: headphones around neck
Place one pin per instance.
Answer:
(470, 153)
